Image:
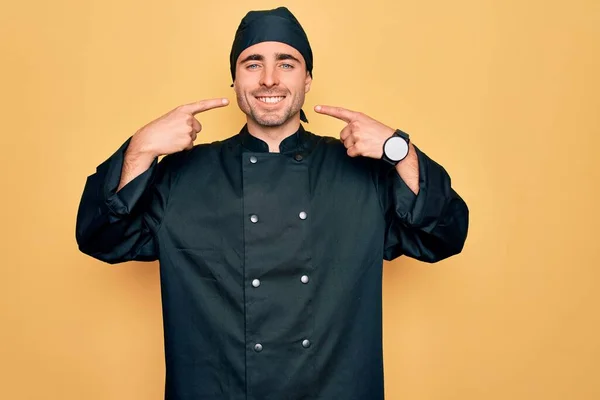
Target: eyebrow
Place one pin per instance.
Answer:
(278, 57)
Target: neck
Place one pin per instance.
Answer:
(274, 135)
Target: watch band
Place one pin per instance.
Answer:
(403, 135)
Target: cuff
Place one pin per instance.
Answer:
(424, 209)
(122, 202)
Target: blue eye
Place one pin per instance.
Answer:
(287, 66)
(252, 65)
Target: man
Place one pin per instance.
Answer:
(271, 242)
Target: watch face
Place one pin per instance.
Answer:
(396, 148)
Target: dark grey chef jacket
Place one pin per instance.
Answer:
(271, 263)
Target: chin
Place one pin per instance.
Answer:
(270, 120)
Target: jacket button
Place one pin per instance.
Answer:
(253, 159)
(306, 343)
(256, 282)
(258, 347)
(302, 215)
(254, 218)
(304, 279)
(298, 157)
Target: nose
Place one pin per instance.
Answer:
(269, 77)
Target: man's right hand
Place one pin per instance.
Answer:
(171, 133)
(174, 131)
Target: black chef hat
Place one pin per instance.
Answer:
(277, 25)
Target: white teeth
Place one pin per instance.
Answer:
(270, 99)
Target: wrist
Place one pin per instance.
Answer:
(138, 149)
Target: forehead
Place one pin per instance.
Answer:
(270, 49)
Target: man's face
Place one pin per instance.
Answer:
(270, 82)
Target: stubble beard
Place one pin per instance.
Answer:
(270, 119)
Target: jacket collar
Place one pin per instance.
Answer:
(297, 141)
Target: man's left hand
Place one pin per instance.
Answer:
(363, 136)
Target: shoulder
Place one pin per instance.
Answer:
(202, 150)
(333, 145)
(332, 150)
(201, 153)
(324, 142)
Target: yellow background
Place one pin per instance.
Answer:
(504, 94)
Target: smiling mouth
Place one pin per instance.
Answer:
(270, 99)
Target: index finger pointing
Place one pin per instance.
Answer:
(204, 105)
(337, 112)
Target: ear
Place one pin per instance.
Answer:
(307, 82)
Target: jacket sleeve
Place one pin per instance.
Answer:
(117, 227)
(429, 226)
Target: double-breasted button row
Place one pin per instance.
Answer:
(304, 279)
(303, 215)
(256, 282)
(297, 157)
(254, 218)
(259, 347)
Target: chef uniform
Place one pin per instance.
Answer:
(271, 263)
